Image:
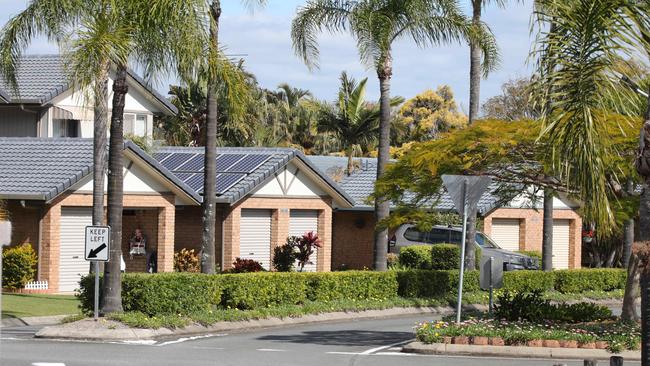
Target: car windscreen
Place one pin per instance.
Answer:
(485, 242)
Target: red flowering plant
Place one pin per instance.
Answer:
(306, 245)
(241, 265)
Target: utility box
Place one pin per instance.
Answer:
(491, 275)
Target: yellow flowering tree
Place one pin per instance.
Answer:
(426, 115)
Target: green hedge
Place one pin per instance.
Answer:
(364, 285)
(262, 289)
(527, 281)
(581, 280)
(415, 256)
(433, 283)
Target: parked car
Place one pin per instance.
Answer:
(407, 235)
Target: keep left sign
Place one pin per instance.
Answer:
(97, 243)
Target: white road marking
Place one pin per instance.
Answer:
(181, 340)
(342, 353)
(377, 349)
(143, 342)
(47, 364)
(271, 350)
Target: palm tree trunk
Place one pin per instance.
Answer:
(112, 291)
(645, 305)
(628, 229)
(99, 147)
(547, 231)
(382, 206)
(470, 240)
(350, 161)
(632, 285)
(210, 163)
(475, 66)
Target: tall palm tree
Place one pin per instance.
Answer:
(353, 122)
(215, 70)
(475, 71)
(577, 60)
(376, 25)
(158, 35)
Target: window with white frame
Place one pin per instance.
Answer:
(65, 128)
(135, 124)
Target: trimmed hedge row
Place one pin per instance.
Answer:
(435, 257)
(184, 293)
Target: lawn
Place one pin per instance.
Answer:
(24, 305)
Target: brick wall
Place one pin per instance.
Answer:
(530, 229)
(147, 221)
(24, 223)
(353, 239)
(188, 229)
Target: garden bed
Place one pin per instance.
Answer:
(613, 335)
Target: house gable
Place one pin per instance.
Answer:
(291, 181)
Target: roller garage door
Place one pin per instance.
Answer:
(301, 222)
(255, 236)
(505, 233)
(561, 244)
(72, 264)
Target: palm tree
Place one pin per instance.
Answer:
(353, 122)
(475, 58)
(375, 26)
(157, 34)
(577, 60)
(214, 70)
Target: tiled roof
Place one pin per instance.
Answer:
(36, 168)
(361, 183)
(43, 168)
(279, 158)
(40, 78)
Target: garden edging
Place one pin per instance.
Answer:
(515, 351)
(88, 329)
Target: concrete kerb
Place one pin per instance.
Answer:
(89, 330)
(515, 351)
(33, 320)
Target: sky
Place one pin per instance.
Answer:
(263, 37)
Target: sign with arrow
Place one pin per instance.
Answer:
(97, 243)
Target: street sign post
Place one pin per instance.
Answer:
(465, 191)
(98, 241)
(491, 276)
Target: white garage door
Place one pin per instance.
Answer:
(72, 264)
(561, 244)
(302, 222)
(255, 236)
(505, 233)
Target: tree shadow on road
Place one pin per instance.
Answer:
(342, 337)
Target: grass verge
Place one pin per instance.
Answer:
(26, 305)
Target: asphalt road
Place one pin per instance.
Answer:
(367, 342)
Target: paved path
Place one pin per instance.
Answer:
(361, 343)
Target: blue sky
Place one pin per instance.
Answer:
(264, 37)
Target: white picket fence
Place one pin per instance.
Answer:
(36, 285)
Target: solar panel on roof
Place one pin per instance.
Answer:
(227, 180)
(225, 161)
(195, 164)
(176, 159)
(183, 176)
(249, 163)
(160, 156)
(196, 182)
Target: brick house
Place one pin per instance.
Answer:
(264, 195)
(515, 225)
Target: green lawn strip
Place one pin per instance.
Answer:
(619, 335)
(140, 320)
(26, 305)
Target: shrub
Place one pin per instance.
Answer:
(187, 260)
(305, 247)
(244, 266)
(160, 293)
(532, 253)
(533, 307)
(283, 258)
(445, 256)
(581, 280)
(357, 285)
(528, 281)
(415, 256)
(18, 266)
(432, 283)
(256, 290)
(392, 260)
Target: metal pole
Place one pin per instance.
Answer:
(462, 255)
(96, 290)
(491, 288)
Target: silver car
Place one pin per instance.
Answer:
(408, 235)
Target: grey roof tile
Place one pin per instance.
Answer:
(361, 183)
(40, 168)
